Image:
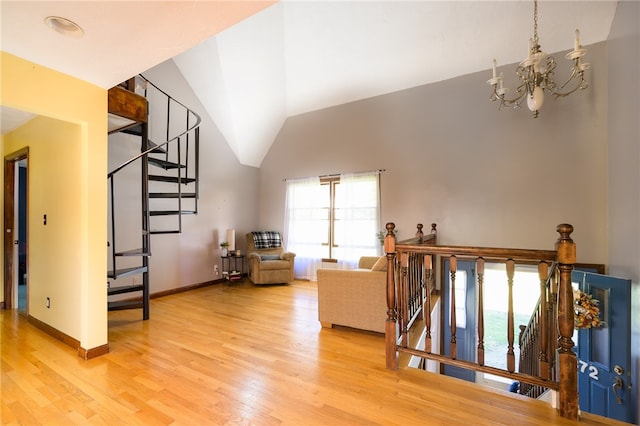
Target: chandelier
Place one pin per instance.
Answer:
(536, 72)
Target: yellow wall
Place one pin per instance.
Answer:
(67, 181)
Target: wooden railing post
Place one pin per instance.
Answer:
(392, 315)
(567, 361)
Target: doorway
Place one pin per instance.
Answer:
(15, 235)
(604, 351)
(526, 292)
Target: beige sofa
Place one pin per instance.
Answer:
(354, 298)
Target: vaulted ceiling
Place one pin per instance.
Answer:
(253, 64)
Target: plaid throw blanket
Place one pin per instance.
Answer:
(266, 239)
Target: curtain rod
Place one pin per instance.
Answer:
(379, 171)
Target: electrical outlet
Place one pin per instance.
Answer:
(215, 269)
(48, 303)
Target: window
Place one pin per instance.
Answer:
(334, 217)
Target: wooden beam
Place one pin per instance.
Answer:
(127, 104)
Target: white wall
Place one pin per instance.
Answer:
(486, 177)
(228, 198)
(623, 48)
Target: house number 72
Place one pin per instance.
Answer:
(593, 371)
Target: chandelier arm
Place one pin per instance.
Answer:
(509, 103)
(582, 84)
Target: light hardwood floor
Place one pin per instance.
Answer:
(238, 354)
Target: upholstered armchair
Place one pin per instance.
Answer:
(268, 262)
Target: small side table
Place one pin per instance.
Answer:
(234, 274)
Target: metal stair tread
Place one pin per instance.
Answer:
(172, 179)
(126, 272)
(128, 304)
(124, 289)
(166, 165)
(159, 232)
(172, 195)
(133, 130)
(170, 212)
(157, 150)
(134, 252)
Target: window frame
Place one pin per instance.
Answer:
(332, 182)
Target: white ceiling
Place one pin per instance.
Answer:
(294, 56)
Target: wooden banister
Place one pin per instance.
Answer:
(403, 272)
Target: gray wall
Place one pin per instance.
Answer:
(228, 198)
(623, 48)
(486, 177)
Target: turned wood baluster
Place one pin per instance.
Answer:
(427, 303)
(390, 323)
(480, 269)
(543, 274)
(511, 360)
(552, 317)
(523, 365)
(453, 266)
(415, 285)
(568, 363)
(403, 303)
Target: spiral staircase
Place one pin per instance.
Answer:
(167, 175)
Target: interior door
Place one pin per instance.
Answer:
(465, 297)
(604, 353)
(20, 283)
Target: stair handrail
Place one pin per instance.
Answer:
(528, 339)
(149, 150)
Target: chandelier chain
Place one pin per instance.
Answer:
(535, 23)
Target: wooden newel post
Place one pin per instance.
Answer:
(567, 360)
(392, 313)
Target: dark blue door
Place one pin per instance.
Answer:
(465, 295)
(604, 353)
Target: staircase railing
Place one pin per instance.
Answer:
(399, 268)
(537, 340)
(179, 158)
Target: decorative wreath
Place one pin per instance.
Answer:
(587, 313)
